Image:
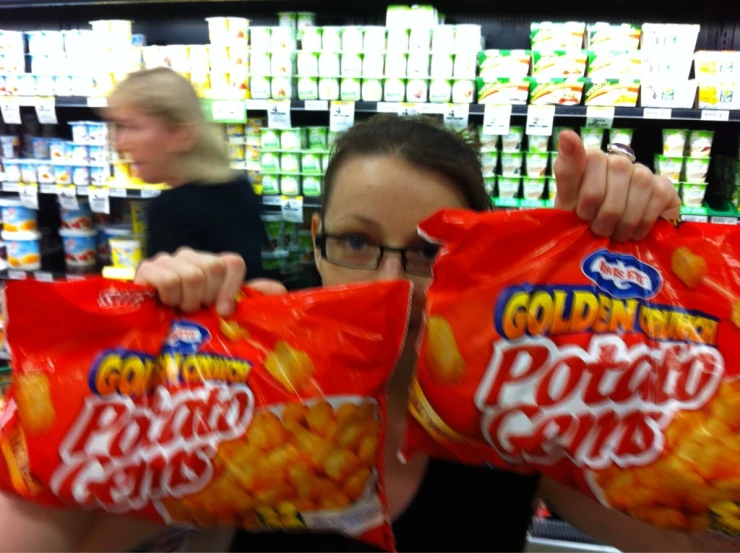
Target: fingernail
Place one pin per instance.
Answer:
(600, 229)
(566, 148)
(224, 308)
(587, 213)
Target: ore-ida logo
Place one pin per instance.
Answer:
(622, 276)
(186, 337)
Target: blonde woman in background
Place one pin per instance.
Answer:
(157, 120)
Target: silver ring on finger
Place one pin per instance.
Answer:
(621, 150)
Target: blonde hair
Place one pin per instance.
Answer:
(168, 95)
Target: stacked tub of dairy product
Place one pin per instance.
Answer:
(668, 51)
(615, 65)
(718, 78)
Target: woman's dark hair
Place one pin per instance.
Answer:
(420, 141)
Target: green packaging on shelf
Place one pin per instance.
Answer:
(533, 188)
(290, 185)
(611, 92)
(696, 169)
(487, 141)
(494, 64)
(463, 91)
(489, 161)
(269, 139)
(273, 223)
(331, 137)
(512, 142)
(372, 90)
(270, 184)
(317, 138)
(536, 164)
(559, 92)
(274, 260)
(325, 162)
(511, 164)
(312, 185)
(592, 137)
(394, 90)
(700, 143)
(504, 90)
(508, 187)
(311, 163)
(693, 194)
(555, 64)
(440, 91)
(547, 35)
(537, 143)
(610, 64)
(308, 88)
(614, 37)
(350, 89)
(490, 185)
(621, 136)
(551, 170)
(417, 90)
(290, 162)
(305, 242)
(293, 139)
(674, 142)
(270, 162)
(669, 167)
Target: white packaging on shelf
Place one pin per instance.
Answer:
(373, 64)
(548, 35)
(261, 38)
(307, 63)
(351, 65)
(463, 92)
(328, 88)
(440, 90)
(465, 65)
(714, 64)
(422, 15)
(468, 38)
(283, 64)
(26, 85)
(398, 16)
(40, 65)
(260, 87)
(394, 90)
(78, 42)
(220, 80)
(305, 20)
(396, 64)
(659, 92)
(331, 39)
(350, 89)
(82, 85)
(417, 90)
(308, 88)
(283, 88)
(226, 30)
(288, 19)
(63, 85)
(418, 64)
(352, 39)
(260, 63)
(441, 66)
(45, 85)
(283, 38)
(398, 40)
(329, 64)
(443, 39)
(667, 63)
(11, 41)
(45, 43)
(666, 37)
(420, 38)
(372, 90)
(179, 57)
(311, 39)
(154, 56)
(374, 39)
(13, 63)
(238, 56)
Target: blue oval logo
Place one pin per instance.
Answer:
(622, 276)
(186, 337)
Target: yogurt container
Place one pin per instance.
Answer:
(77, 153)
(468, 38)
(317, 138)
(417, 90)
(77, 219)
(440, 90)
(696, 170)
(537, 165)
(394, 90)
(620, 136)
(24, 249)
(352, 39)
(260, 87)
(311, 39)
(289, 163)
(374, 39)
(45, 172)
(10, 146)
(331, 39)
(538, 143)
(293, 139)
(97, 155)
(670, 167)
(236, 152)
(12, 170)
(674, 142)
(465, 66)
(329, 64)
(511, 164)
(308, 64)
(463, 91)
(396, 64)
(270, 139)
(372, 90)
(28, 171)
(80, 249)
(270, 162)
(138, 210)
(311, 186)
(508, 187)
(329, 88)
(350, 90)
(99, 176)
(273, 223)
(441, 66)
(283, 38)
(283, 64)
(311, 163)
(126, 252)
(373, 65)
(57, 149)
(282, 88)
(420, 38)
(693, 194)
(418, 64)
(81, 175)
(40, 146)
(288, 19)
(512, 142)
(398, 39)
(533, 188)
(261, 38)
(325, 158)
(489, 161)
(592, 137)
(17, 217)
(489, 183)
(79, 132)
(270, 184)
(260, 64)
(351, 65)
(304, 20)
(700, 143)
(290, 185)
(62, 174)
(488, 143)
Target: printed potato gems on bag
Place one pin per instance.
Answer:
(270, 419)
(613, 368)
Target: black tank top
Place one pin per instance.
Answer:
(457, 508)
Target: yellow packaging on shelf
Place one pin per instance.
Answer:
(138, 216)
(119, 273)
(612, 92)
(718, 94)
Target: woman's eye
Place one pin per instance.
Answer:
(429, 251)
(356, 242)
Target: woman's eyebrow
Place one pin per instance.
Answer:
(359, 219)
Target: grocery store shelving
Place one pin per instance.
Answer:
(114, 191)
(42, 276)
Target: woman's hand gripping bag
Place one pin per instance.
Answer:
(611, 367)
(272, 419)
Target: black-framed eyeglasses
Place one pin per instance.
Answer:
(355, 251)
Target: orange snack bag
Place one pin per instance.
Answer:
(271, 419)
(610, 367)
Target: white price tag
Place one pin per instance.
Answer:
(17, 275)
(291, 208)
(601, 117)
(29, 195)
(48, 188)
(11, 110)
(388, 107)
(149, 193)
(97, 102)
(118, 193)
(10, 187)
(271, 200)
(496, 119)
(695, 218)
(278, 114)
(540, 120)
(99, 199)
(456, 116)
(316, 105)
(657, 113)
(341, 116)
(46, 111)
(723, 220)
(409, 110)
(68, 196)
(83, 190)
(715, 115)
(258, 105)
(228, 110)
(43, 277)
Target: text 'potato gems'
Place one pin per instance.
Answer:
(272, 419)
(611, 367)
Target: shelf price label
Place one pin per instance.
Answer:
(409, 110)
(46, 111)
(601, 117)
(10, 187)
(657, 113)
(29, 195)
(228, 111)
(316, 105)
(540, 120)
(43, 276)
(291, 208)
(67, 194)
(278, 114)
(496, 119)
(150, 193)
(97, 102)
(99, 199)
(10, 108)
(456, 116)
(715, 115)
(341, 116)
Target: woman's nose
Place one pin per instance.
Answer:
(391, 267)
